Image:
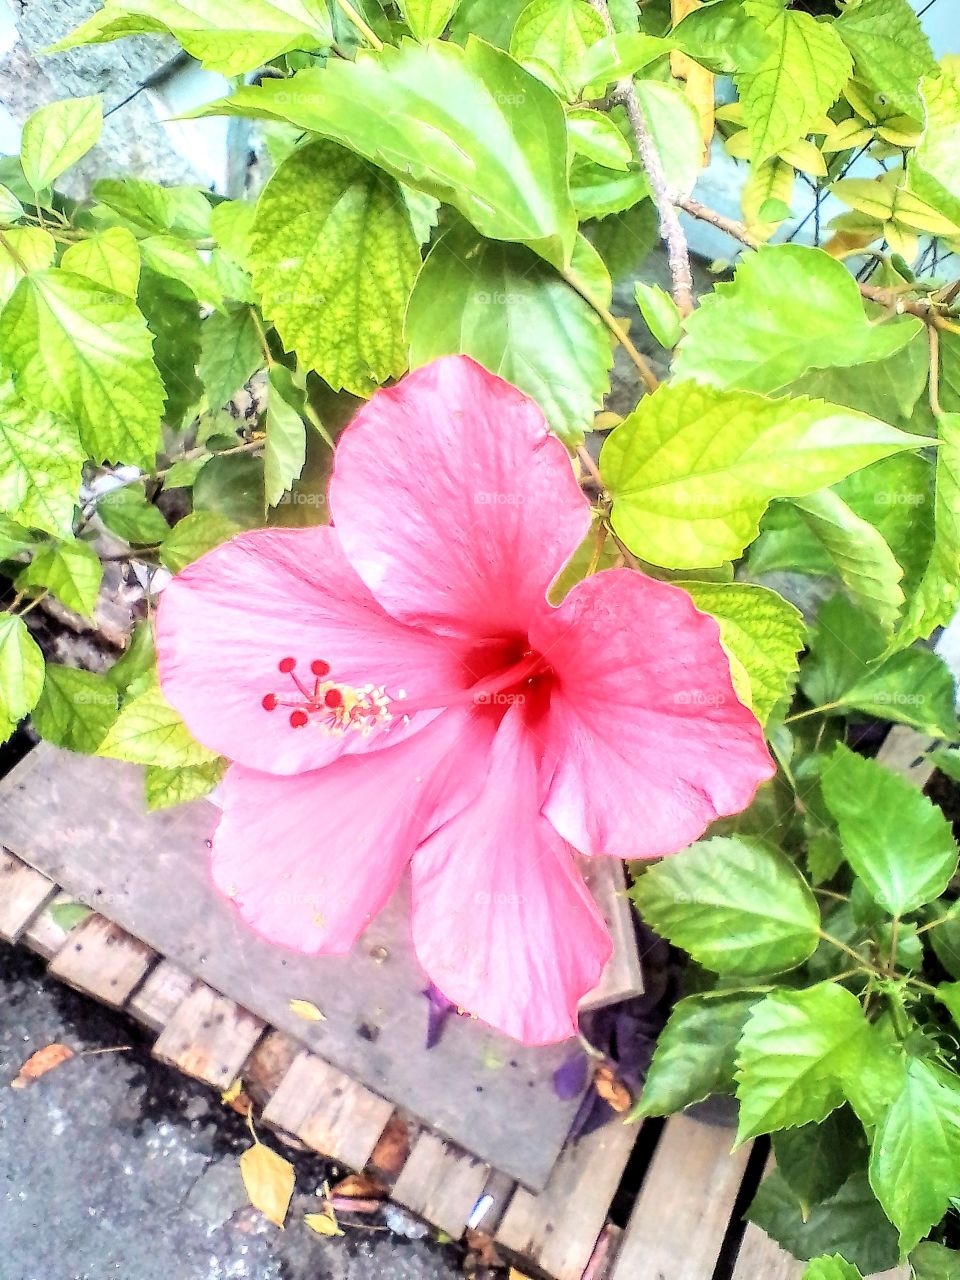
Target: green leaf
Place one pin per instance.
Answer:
(169, 256)
(40, 464)
(660, 313)
(184, 211)
(71, 570)
(795, 1054)
(490, 20)
(513, 314)
(934, 166)
(692, 469)
(890, 51)
(25, 247)
(761, 634)
(858, 553)
(948, 993)
(816, 1159)
(57, 136)
(792, 309)
(850, 1223)
(935, 1262)
(230, 353)
(886, 389)
(897, 841)
(21, 673)
(194, 535)
(594, 135)
(106, 381)
(167, 787)
(724, 38)
(11, 210)
(230, 486)
(227, 37)
(149, 731)
(834, 1268)
(615, 58)
(67, 915)
(468, 126)
(736, 904)
(127, 513)
(286, 444)
(334, 257)
(173, 317)
(696, 1053)
(111, 258)
(427, 18)
(557, 33)
(137, 660)
(915, 1153)
(935, 600)
(787, 93)
(76, 708)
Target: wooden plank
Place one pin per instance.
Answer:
(761, 1256)
(271, 1059)
(440, 1184)
(903, 752)
(126, 860)
(209, 1037)
(103, 960)
(43, 934)
(683, 1244)
(328, 1111)
(164, 990)
(622, 978)
(23, 891)
(558, 1229)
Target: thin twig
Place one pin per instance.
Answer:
(736, 230)
(671, 232)
(617, 328)
(591, 468)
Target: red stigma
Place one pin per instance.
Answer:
(298, 719)
(320, 668)
(286, 665)
(333, 698)
(269, 702)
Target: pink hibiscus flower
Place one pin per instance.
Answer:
(396, 690)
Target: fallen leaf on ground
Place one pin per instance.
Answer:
(269, 1181)
(39, 1063)
(343, 1204)
(482, 1249)
(324, 1224)
(612, 1089)
(233, 1092)
(360, 1186)
(66, 915)
(309, 1012)
(393, 1147)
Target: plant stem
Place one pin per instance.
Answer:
(854, 955)
(314, 418)
(671, 232)
(591, 468)
(813, 711)
(617, 328)
(369, 35)
(736, 230)
(14, 254)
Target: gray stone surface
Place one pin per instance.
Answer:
(134, 140)
(115, 1168)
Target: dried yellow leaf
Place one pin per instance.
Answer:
(324, 1224)
(231, 1094)
(309, 1012)
(269, 1181)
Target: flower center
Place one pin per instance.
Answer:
(333, 707)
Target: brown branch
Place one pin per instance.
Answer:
(671, 232)
(728, 225)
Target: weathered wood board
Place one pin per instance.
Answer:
(81, 822)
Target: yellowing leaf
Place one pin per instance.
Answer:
(324, 1224)
(231, 1094)
(309, 1012)
(269, 1180)
(39, 1063)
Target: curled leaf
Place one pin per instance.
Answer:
(324, 1224)
(39, 1063)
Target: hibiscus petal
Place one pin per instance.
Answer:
(227, 620)
(453, 501)
(650, 743)
(309, 860)
(502, 921)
